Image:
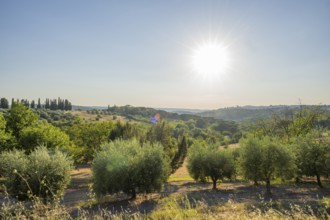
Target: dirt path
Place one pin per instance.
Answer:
(78, 190)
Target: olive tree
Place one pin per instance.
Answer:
(128, 166)
(313, 155)
(251, 159)
(265, 159)
(43, 173)
(210, 162)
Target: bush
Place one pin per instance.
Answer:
(42, 173)
(130, 167)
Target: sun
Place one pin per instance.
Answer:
(210, 59)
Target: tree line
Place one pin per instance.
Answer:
(52, 104)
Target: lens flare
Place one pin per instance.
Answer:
(155, 118)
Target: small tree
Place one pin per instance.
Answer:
(19, 118)
(88, 137)
(43, 134)
(7, 141)
(313, 155)
(130, 167)
(42, 173)
(210, 162)
(272, 160)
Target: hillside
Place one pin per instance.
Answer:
(253, 113)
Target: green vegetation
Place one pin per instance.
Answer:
(20, 117)
(210, 162)
(52, 104)
(7, 141)
(252, 114)
(313, 155)
(4, 103)
(43, 134)
(129, 166)
(266, 159)
(42, 173)
(87, 138)
(132, 154)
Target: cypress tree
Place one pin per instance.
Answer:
(13, 103)
(39, 104)
(4, 103)
(32, 105)
(47, 106)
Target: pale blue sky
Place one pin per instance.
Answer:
(139, 52)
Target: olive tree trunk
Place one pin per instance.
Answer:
(319, 181)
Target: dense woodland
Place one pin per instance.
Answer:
(134, 150)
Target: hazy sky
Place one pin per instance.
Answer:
(139, 52)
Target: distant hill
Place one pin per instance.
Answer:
(183, 110)
(85, 108)
(134, 112)
(238, 114)
(252, 113)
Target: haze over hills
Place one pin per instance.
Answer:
(238, 113)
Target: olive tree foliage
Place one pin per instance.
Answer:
(313, 155)
(266, 159)
(43, 134)
(43, 173)
(128, 166)
(210, 162)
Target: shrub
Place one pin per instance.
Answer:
(130, 167)
(42, 173)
